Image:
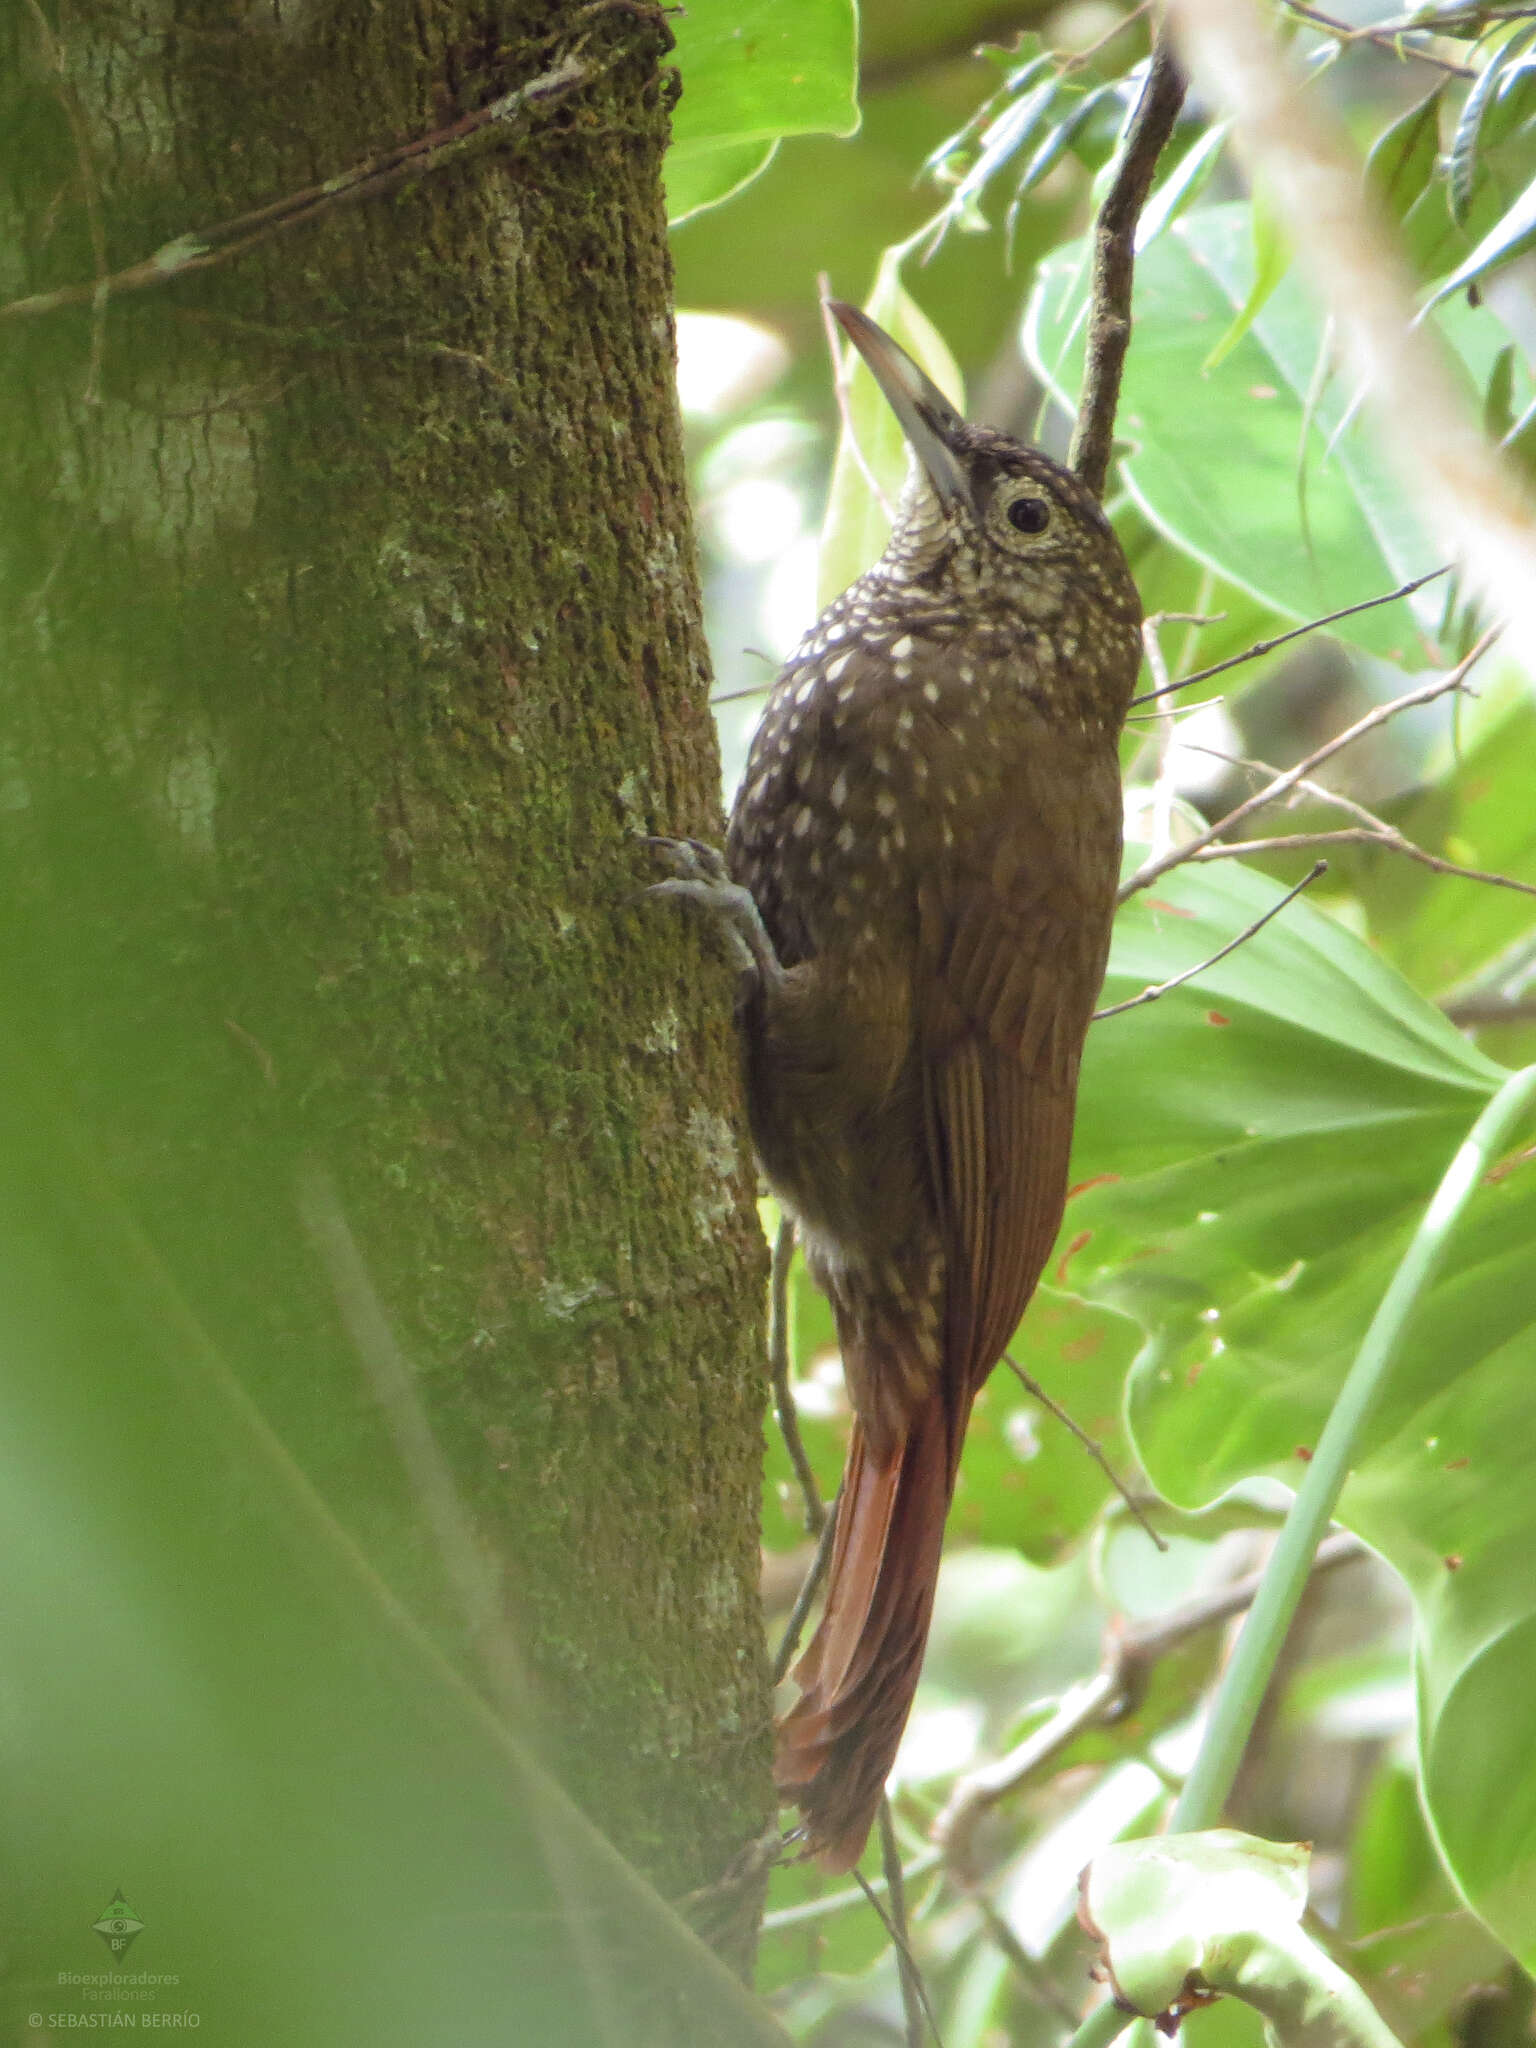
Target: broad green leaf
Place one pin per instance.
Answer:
(1257, 1198)
(708, 177)
(1221, 1912)
(1403, 158)
(857, 527)
(1214, 458)
(1183, 184)
(752, 72)
(1509, 237)
(1271, 261)
(1445, 933)
(1025, 1480)
(1462, 157)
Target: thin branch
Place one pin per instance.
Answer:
(204, 248)
(1268, 646)
(1374, 830)
(810, 1911)
(1042, 1987)
(1397, 45)
(810, 1586)
(1471, 1011)
(1114, 260)
(1361, 835)
(1094, 1449)
(914, 1993)
(1130, 1657)
(779, 1369)
(1149, 871)
(1155, 989)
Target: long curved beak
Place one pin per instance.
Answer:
(929, 421)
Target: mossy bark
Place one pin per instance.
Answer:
(352, 636)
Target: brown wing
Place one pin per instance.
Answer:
(1012, 939)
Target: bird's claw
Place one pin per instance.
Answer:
(700, 875)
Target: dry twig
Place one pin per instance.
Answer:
(779, 1372)
(1090, 1444)
(1259, 647)
(202, 249)
(1282, 785)
(1370, 831)
(1155, 989)
(1114, 259)
(1130, 1656)
(914, 1992)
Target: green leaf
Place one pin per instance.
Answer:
(1461, 161)
(1025, 1480)
(1510, 236)
(1182, 185)
(1477, 806)
(754, 71)
(1213, 460)
(1221, 1912)
(1404, 156)
(1271, 261)
(1259, 1198)
(857, 527)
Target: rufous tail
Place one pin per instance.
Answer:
(837, 1743)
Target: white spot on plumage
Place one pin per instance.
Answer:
(885, 804)
(836, 667)
(905, 721)
(805, 818)
(806, 689)
(902, 648)
(932, 692)
(839, 790)
(881, 761)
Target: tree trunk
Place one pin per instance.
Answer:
(353, 635)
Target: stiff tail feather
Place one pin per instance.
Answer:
(837, 1743)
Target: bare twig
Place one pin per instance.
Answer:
(1130, 1656)
(1312, 626)
(1370, 831)
(810, 1586)
(1470, 1011)
(1114, 259)
(1470, 493)
(779, 1368)
(914, 1993)
(1094, 1449)
(810, 1911)
(203, 248)
(1149, 871)
(1042, 1987)
(1398, 45)
(1155, 989)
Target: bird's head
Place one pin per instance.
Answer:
(986, 512)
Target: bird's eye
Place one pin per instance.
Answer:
(1029, 515)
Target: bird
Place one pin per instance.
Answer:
(918, 885)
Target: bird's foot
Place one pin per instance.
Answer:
(699, 875)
